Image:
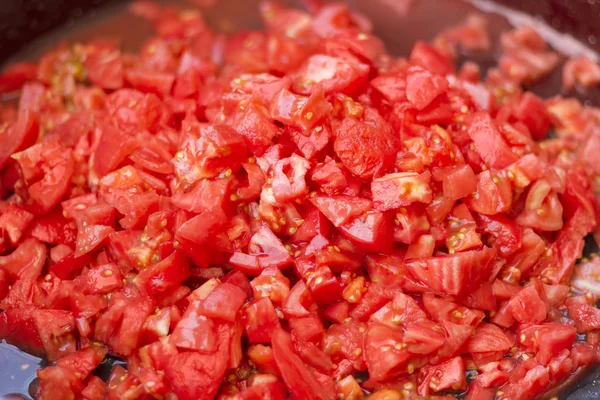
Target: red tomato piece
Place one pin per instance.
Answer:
(333, 74)
(422, 87)
(223, 302)
(401, 189)
(493, 195)
(260, 320)
(488, 337)
(105, 69)
(164, 275)
(488, 142)
(265, 250)
(54, 228)
(195, 331)
(323, 286)
(425, 56)
(366, 148)
(113, 148)
(533, 113)
(197, 376)
(341, 209)
(460, 183)
(203, 227)
(371, 231)
(448, 376)
(506, 233)
(14, 221)
(384, 354)
(257, 128)
(527, 306)
(289, 178)
(580, 70)
(19, 135)
(90, 238)
(454, 274)
(297, 376)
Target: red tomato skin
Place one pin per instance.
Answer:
(214, 305)
(493, 195)
(532, 111)
(18, 328)
(489, 143)
(454, 274)
(54, 228)
(113, 148)
(425, 56)
(422, 87)
(23, 266)
(195, 331)
(488, 337)
(460, 183)
(401, 189)
(449, 375)
(478, 392)
(260, 319)
(333, 74)
(341, 209)
(22, 134)
(371, 232)
(298, 378)
(163, 275)
(384, 365)
(527, 306)
(366, 148)
(14, 222)
(197, 376)
(91, 237)
(204, 226)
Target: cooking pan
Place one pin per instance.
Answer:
(29, 27)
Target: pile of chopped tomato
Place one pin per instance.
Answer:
(295, 213)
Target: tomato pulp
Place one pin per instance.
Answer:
(295, 213)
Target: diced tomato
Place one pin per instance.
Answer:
(384, 354)
(90, 238)
(371, 231)
(448, 376)
(14, 221)
(487, 338)
(493, 195)
(265, 250)
(295, 373)
(454, 274)
(366, 148)
(400, 190)
(460, 183)
(163, 275)
(297, 212)
(422, 87)
(532, 112)
(260, 320)
(289, 178)
(333, 74)
(429, 58)
(341, 209)
(488, 142)
(194, 375)
(527, 306)
(21, 134)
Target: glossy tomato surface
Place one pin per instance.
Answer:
(294, 213)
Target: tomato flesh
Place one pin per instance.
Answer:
(295, 213)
